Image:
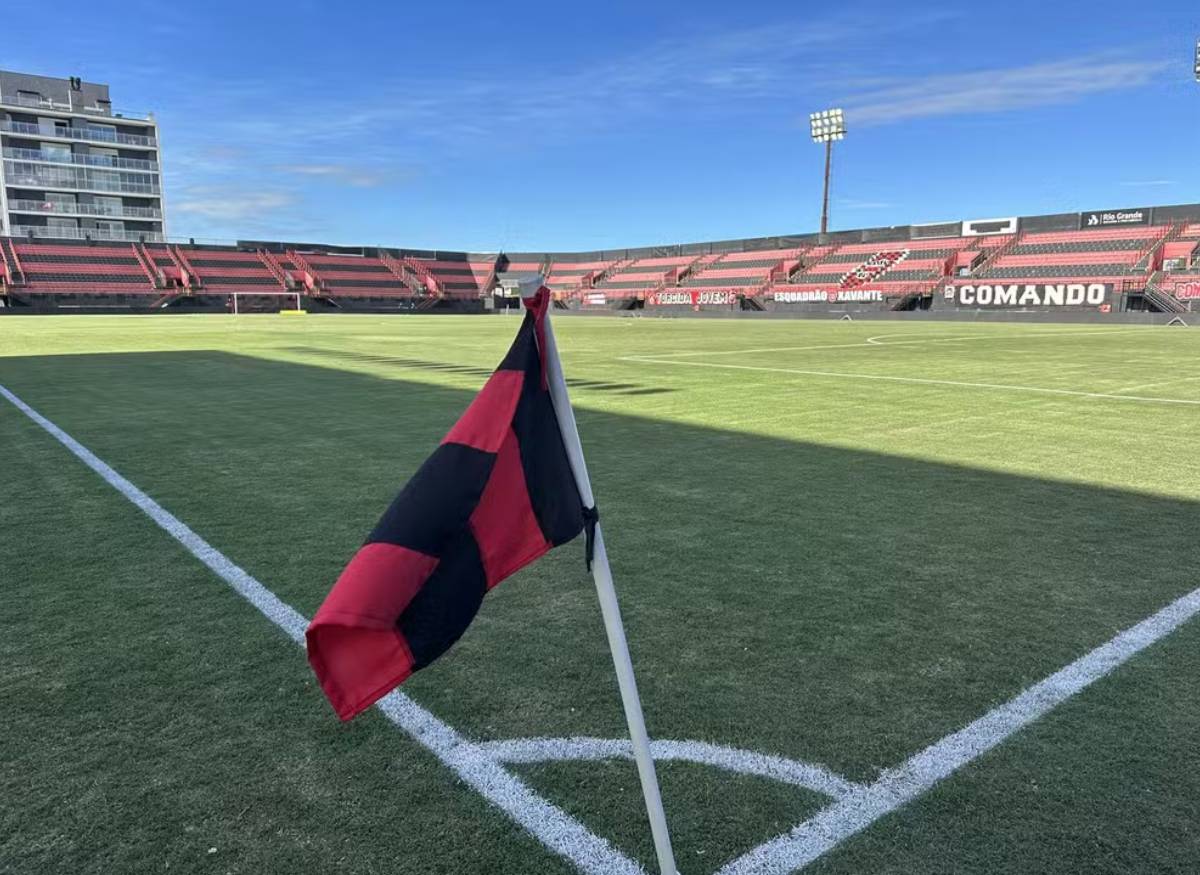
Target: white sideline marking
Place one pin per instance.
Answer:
(552, 826)
(877, 340)
(900, 785)
(922, 381)
(1154, 385)
(800, 774)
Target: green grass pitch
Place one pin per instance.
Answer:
(833, 542)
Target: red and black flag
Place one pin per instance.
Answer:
(494, 496)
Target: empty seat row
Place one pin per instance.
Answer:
(1130, 243)
(1092, 271)
(1080, 258)
(1140, 232)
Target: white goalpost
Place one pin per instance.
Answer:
(236, 307)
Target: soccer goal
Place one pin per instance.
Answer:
(264, 302)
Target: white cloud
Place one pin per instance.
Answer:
(1001, 90)
(345, 173)
(231, 204)
(1149, 182)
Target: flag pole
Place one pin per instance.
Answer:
(611, 612)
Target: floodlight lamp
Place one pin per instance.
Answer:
(827, 125)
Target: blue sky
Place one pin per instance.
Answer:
(528, 126)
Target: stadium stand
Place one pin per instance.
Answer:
(645, 275)
(62, 268)
(339, 275)
(744, 271)
(1150, 261)
(454, 278)
(232, 270)
(1109, 255)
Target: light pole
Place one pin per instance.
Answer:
(827, 126)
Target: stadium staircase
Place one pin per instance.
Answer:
(591, 278)
(276, 270)
(998, 252)
(486, 288)
(401, 272)
(14, 276)
(819, 256)
(688, 269)
(1151, 260)
(697, 268)
(312, 281)
(778, 274)
(428, 280)
(1163, 301)
(188, 277)
(610, 269)
(156, 277)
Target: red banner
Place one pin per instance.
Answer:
(1188, 291)
(691, 298)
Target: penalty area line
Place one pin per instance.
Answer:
(550, 825)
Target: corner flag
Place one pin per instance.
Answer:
(508, 483)
(494, 496)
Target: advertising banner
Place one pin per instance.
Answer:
(830, 296)
(1112, 218)
(691, 298)
(1025, 295)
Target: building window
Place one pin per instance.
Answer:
(108, 155)
(61, 201)
(61, 224)
(56, 151)
(102, 132)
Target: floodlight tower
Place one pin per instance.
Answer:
(827, 125)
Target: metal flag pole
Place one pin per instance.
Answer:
(602, 575)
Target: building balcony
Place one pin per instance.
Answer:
(43, 232)
(75, 179)
(55, 208)
(84, 160)
(48, 104)
(85, 134)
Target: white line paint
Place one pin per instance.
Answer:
(877, 340)
(1155, 385)
(920, 381)
(898, 786)
(744, 762)
(553, 827)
